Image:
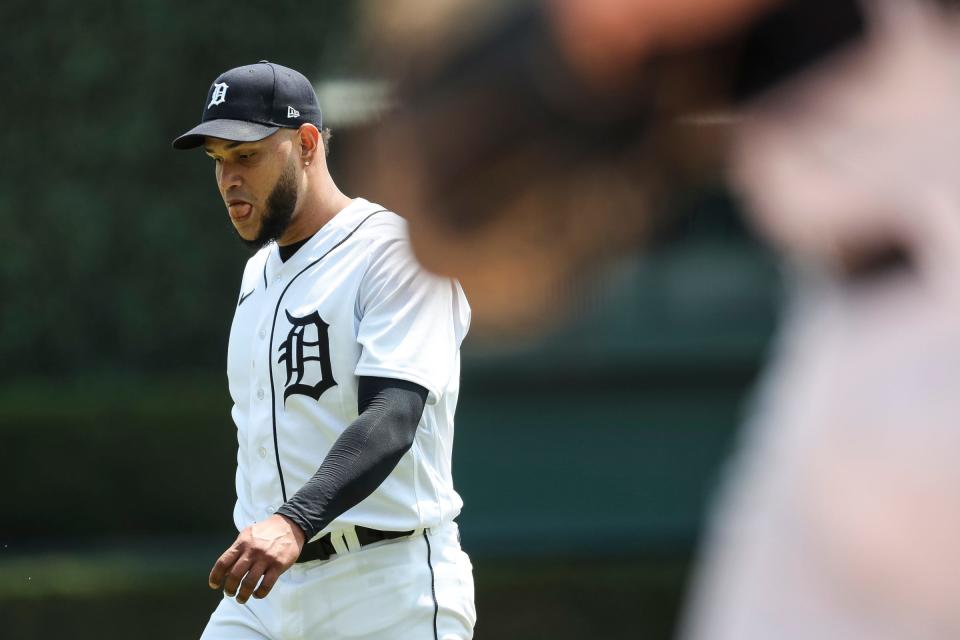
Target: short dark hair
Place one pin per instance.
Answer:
(325, 135)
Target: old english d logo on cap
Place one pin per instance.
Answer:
(219, 95)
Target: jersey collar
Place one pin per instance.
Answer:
(335, 229)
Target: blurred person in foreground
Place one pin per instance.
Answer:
(842, 512)
(843, 515)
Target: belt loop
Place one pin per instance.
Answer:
(417, 532)
(350, 537)
(339, 545)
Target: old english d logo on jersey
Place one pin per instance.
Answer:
(307, 343)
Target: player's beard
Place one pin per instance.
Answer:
(279, 211)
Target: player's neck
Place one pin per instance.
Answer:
(317, 207)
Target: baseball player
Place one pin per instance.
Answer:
(343, 367)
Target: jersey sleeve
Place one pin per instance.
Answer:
(411, 322)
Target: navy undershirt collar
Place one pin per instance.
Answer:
(286, 252)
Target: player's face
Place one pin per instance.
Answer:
(258, 184)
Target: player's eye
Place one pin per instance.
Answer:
(247, 156)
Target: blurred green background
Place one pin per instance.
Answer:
(586, 458)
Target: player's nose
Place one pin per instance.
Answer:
(229, 176)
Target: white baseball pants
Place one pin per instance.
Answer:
(416, 588)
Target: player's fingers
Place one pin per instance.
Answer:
(222, 565)
(269, 579)
(232, 581)
(250, 582)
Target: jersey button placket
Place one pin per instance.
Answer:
(263, 472)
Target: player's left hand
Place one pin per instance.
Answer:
(262, 550)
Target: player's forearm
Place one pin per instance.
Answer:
(363, 456)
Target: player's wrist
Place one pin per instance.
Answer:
(296, 530)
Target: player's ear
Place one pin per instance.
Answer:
(308, 136)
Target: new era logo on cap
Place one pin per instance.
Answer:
(263, 97)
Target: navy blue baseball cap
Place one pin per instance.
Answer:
(249, 103)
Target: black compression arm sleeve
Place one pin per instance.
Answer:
(364, 454)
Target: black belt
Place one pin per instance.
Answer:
(322, 548)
